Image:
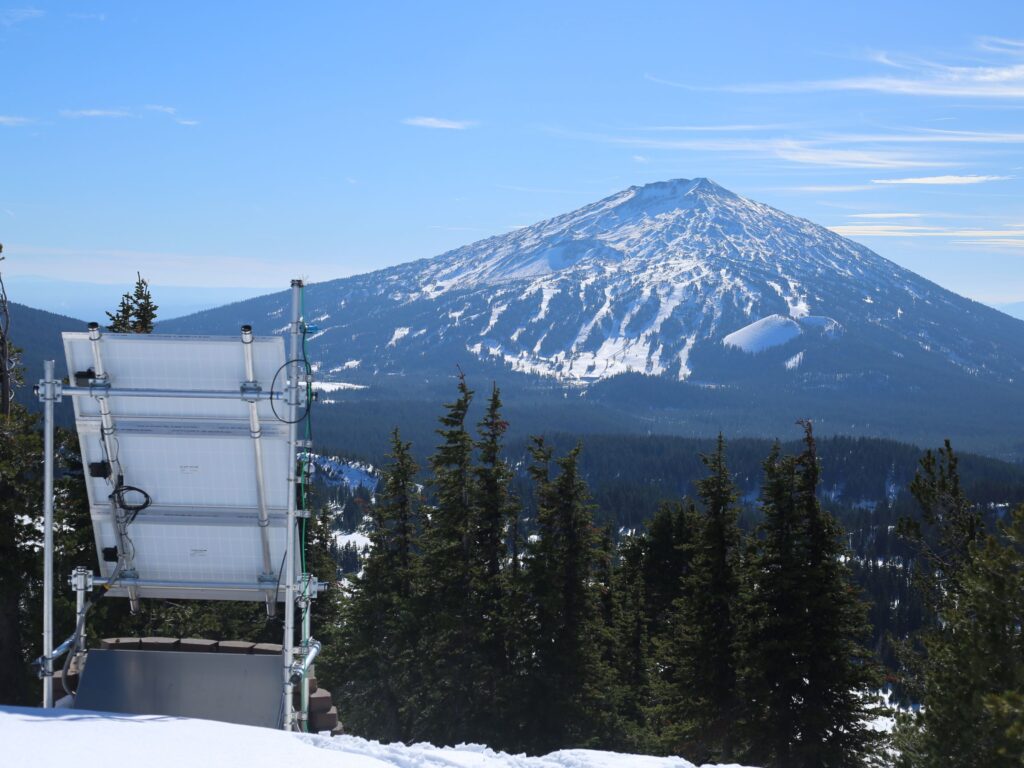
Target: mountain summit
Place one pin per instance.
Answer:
(679, 281)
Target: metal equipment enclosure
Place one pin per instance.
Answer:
(191, 447)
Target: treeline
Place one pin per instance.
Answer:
(475, 620)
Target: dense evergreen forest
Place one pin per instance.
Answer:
(497, 607)
(729, 600)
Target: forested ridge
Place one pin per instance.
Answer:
(728, 600)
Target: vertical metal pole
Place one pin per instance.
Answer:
(289, 565)
(49, 395)
(81, 575)
(306, 610)
(256, 432)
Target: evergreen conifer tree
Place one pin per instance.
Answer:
(974, 670)
(493, 512)
(970, 671)
(697, 659)
(806, 679)
(570, 684)
(136, 313)
(376, 642)
(445, 599)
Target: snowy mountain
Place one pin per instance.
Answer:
(680, 281)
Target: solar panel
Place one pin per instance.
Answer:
(193, 455)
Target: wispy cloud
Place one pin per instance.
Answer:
(12, 16)
(827, 152)
(640, 159)
(171, 112)
(910, 76)
(905, 230)
(12, 121)
(886, 215)
(943, 180)
(730, 128)
(76, 113)
(828, 188)
(439, 122)
(88, 16)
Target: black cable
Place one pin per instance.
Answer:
(273, 384)
(132, 510)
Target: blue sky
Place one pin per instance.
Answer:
(238, 144)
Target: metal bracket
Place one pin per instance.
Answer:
(250, 391)
(49, 391)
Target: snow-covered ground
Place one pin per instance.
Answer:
(62, 737)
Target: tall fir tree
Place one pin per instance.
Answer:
(136, 312)
(570, 685)
(448, 649)
(969, 672)
(493, 512)
(973, 677)
(377, 663)
(698, 698)
(805, 677)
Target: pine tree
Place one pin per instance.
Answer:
(376, 642)
(451, 658)
(121, 319)
(805, 677)
(143, 308)
(974, 672)
(970, 671)
(493, 512)
(699, 706)
(136, 313)
(21, 490)
(632, 661)
(570, 684)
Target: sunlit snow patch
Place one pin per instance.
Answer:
(768, 332)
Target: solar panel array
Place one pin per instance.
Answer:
(194, 457)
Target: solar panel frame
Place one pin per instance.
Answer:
(193, 456)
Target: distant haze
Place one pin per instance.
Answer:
(91, 301)
(1016, 309)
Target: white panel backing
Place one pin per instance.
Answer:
(194, 457)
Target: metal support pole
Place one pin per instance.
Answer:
(127, 566)
(49, 395)
(306, 611)
(289, 565)
(82, 580)
(256, 432)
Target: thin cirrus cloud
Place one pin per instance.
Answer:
(988, 236)
(829, 152)
(12, 121)
(943, 180)
(171, 112)
(886, 215)
(439, 122)
(77, 113)
(12, 16)
(909, 76)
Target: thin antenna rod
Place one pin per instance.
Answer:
(48, 394)
(289, 565)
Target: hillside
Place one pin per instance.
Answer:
(678, 307)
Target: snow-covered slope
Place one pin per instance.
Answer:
(59, 738)
(644, 281)
(678, 306)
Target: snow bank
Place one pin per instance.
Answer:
(58, 738)
(768, 332)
